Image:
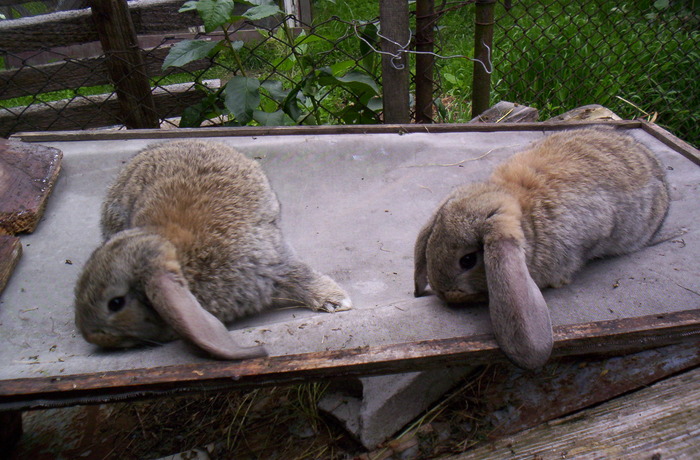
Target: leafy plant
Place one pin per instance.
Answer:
(246, 99)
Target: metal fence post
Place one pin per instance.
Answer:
(483, 44)
(393, 15)
(425, 24)
(125, 63)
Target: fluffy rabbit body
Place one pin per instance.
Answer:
(573, 196)
(191, 239)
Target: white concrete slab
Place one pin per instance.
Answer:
(352, 206)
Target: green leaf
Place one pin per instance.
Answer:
(188, 6)
(375, 104)
(449, 78)
(242, 96)
(661, 4)
(359, 83)
(256, 13)
(258, 2)
(194, 115)
(342, 67)
(291, 104)
(274, 87)
(215, 13)
(278, 118)
(370, 34)
(187, 51)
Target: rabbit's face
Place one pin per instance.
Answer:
(456, 257)
(111, 307)
(454, 248)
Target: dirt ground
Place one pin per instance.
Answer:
(265, 423)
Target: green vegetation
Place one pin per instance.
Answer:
(638, 58)
(299, 89)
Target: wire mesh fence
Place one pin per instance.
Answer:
(638, 58)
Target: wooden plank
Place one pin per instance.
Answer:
(313, 130)
(57, 29)
(483, 44)
(10, 252)
(395, 29)
(659, 422)
(618, 336)
(72, 73)
(515, 400)
(672, 141)
(426, 22)
(125, 63)
(92, 111)
(66, 28)
(29, 172)
(73, 27)
(662, 135)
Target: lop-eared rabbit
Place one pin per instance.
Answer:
(192, 240)
(571, 197)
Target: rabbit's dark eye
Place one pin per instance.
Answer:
(468, 261)
(116, 303)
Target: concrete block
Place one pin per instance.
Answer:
(388, 402)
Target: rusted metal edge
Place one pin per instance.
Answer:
(618, 336)
(672, 141)
(253, 131)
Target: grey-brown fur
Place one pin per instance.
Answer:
(573, 196)
(205, 215)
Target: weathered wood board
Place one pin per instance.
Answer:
(28, 173)
(658, 422)
(10, 252)
(353, 200)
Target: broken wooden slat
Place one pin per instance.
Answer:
(29, 172)
(10, 252)
(662, 421)
(507, 112)
(516, 400)
(617, 336)
(586, 113)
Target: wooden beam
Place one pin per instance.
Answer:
(66, 28)
(658, 422)
(395, 30)
(73, 73)
(125, 63)
(483, 46)
(92, 111)
(614, 336)
(58, 136)
(426, 21)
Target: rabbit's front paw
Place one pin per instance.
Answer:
(332, 306)
(328, 296)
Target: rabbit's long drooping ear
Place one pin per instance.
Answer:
(180, 309)
(519, 313)
(420, 258)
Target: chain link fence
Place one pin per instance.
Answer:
(638, 58)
